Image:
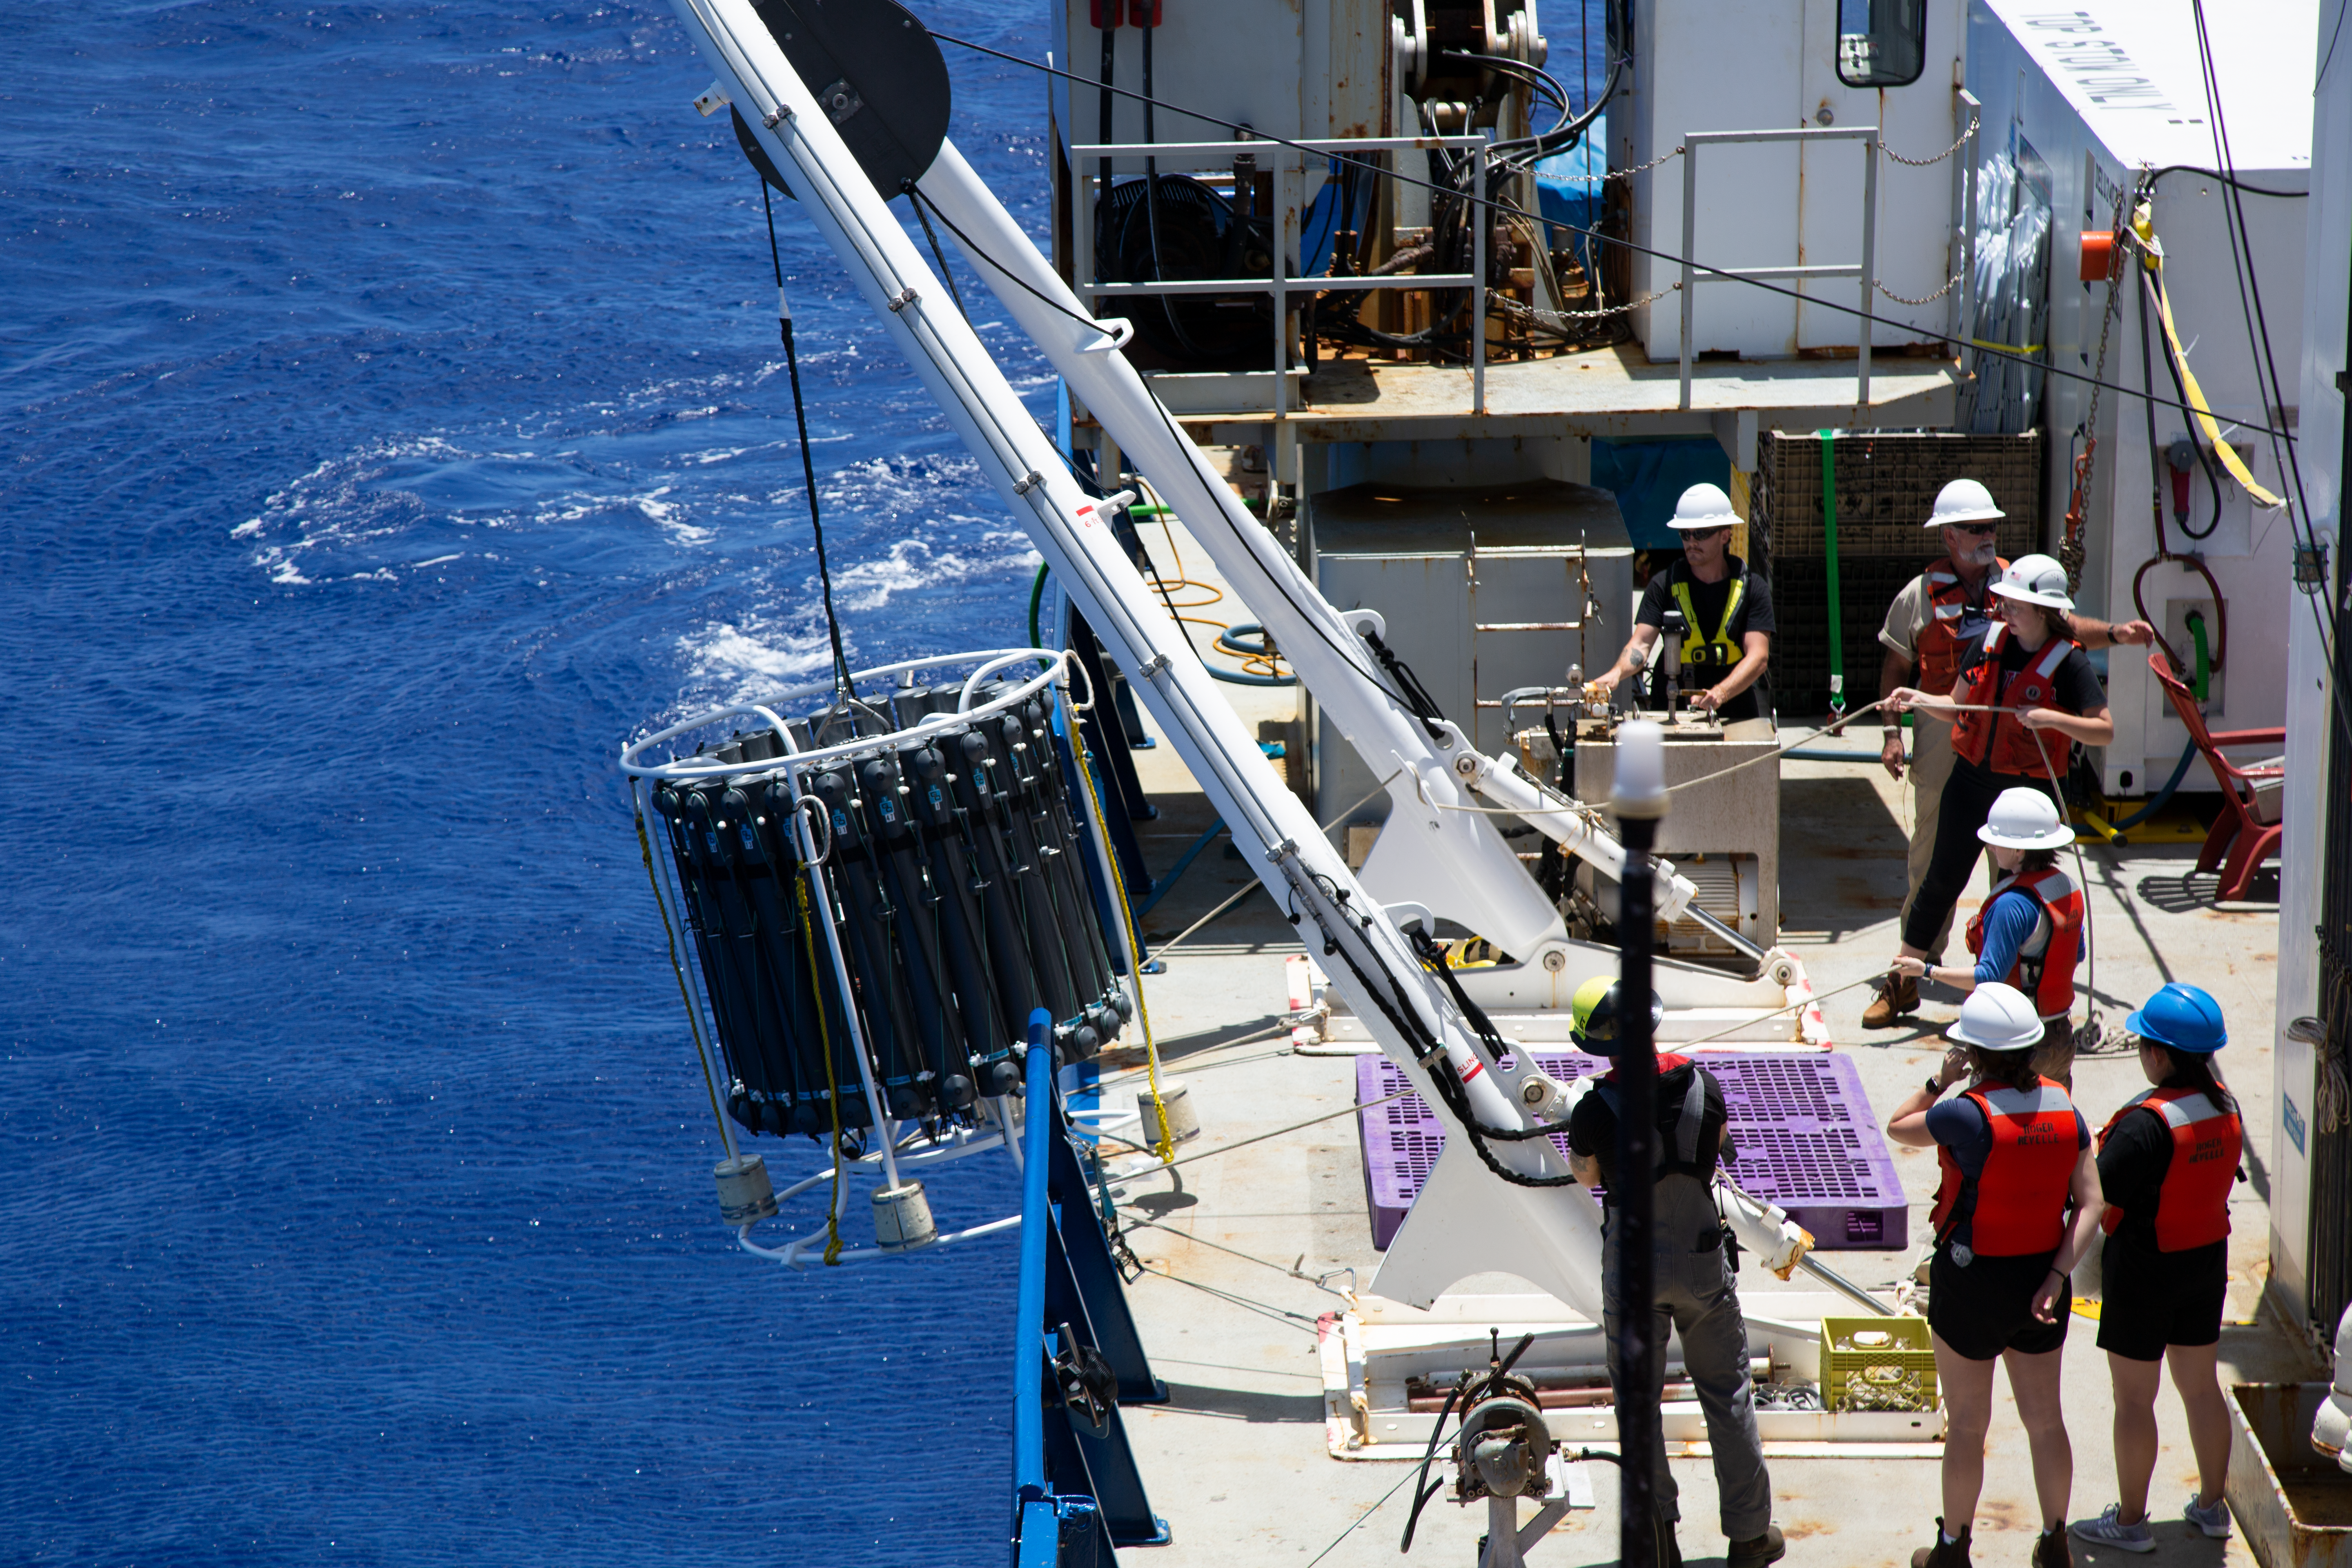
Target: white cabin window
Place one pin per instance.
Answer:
(1881, 43)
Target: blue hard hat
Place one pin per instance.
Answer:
(2180, 1018)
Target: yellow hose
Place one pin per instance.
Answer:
(1164, 1144)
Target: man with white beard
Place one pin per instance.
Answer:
(1931, 632)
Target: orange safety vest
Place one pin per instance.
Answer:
(2016, 1206)
(2192, 1207)
(1996, 741)
(2045, 964)
(1938, 646)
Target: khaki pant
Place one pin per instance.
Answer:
(1931, 766)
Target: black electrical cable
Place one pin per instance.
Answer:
(2325, 619)
(808, 463)
(922, 201)
(1597, 237)
(2154, 174)
(940, 257)
(1152, 203)
(2212, 478)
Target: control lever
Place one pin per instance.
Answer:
(1673, 632)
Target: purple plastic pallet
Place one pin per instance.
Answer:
(1803, 1126)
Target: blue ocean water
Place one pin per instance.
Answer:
(392, 422)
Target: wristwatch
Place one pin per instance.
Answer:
(1935, 1087)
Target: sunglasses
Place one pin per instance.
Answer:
(1703, 534)
(1981, 530)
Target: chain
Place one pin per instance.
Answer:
(1666, 156)
(1949, 284)
(1557, 320)
(2072, 554)
(1931, 162)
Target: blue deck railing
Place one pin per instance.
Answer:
(1076, 1490)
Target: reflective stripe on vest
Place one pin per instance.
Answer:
(2192, 1207)
(1937, 649)
(2045, 964)
(1996, 741)
(2017, 1205)
(1698, 648)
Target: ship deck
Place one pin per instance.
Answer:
(1241, 1249)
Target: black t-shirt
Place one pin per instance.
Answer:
(2078, 688)
(2131, 1173)
(1754, 615)
(1593, 1125)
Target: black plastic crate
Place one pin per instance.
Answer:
(1801, 647)
(1886, 487)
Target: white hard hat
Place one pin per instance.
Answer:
(1996, 1017)
(2025, 819)
(1703, 506)
(1963, 500)
(2037, 580)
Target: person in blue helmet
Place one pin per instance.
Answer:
(2167, 1162)
(1695, 1291)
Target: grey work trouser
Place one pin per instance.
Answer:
(1697, 1295)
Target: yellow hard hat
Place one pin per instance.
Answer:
(1592, 1015)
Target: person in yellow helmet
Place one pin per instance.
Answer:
(1697, 1288)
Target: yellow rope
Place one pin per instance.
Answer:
(1164, 1144)
(693, 1022)
(832, 1088)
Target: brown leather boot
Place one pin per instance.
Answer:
(1944, 1554)
(1900, 995)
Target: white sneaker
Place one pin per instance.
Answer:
(2215, 1521)
(2109, 1529)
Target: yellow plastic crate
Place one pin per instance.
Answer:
(1877, 1364)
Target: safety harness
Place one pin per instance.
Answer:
(1710, 652)
(1684, 1126)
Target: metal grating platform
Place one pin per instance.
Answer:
(1804, 1131)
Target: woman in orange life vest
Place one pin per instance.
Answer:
(2167, 1161)
(2016, 1159)
(2029, 933)
(2046, 701)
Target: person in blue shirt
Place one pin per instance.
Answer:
(2029, 933)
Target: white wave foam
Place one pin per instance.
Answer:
(912, 563)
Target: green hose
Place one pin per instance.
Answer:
(2204, 659)
(1828, 547)
(1037, 598)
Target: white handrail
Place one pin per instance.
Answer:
(682, 768)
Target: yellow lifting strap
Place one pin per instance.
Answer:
(1696, 644)
(2152, 257)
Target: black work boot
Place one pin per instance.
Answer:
(2050, 1549)
(1944, 1554)
(1769, 1547)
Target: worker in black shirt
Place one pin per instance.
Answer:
(1695, 1290)
(1727, 620)
(2168, 1163)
